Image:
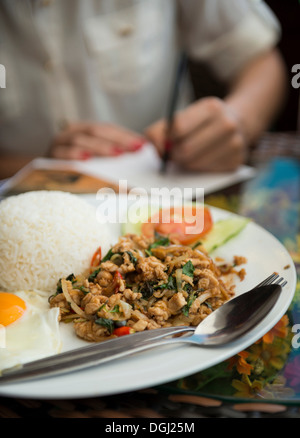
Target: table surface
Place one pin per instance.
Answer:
(262, 381)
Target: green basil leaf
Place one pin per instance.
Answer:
(94, 274)
(116, 309)
(107, 323)
(133, 259)
(171, 284)
(192, 297)
(188, 269)
(83, 289)
(108, 256)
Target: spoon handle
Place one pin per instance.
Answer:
(98, 354)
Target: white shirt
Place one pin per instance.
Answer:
(112, 60)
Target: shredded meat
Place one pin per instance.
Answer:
(152, 269)
(176, 303)
(145, 287)
(90, 331)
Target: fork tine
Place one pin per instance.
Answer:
(269, 280)
(281, 279)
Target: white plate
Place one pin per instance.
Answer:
(265, 255)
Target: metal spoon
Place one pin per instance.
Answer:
(226, 324)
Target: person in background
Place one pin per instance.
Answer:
(92, 78)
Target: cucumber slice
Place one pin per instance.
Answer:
(131, 228)
(222, 232)
(141, 214)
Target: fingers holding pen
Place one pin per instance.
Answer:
(207, 136)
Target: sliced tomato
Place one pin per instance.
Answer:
(181, 221)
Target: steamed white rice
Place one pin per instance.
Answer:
(44, 236)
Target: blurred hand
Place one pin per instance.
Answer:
(81, 141)
(206, 136)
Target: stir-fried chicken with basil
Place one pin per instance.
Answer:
(142, 284)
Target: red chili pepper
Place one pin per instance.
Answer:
(96, 259)
(118, 276)
(123, 331)
(117, 279)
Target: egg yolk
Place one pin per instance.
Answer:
(12, 308)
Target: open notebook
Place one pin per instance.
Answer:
(140, 170)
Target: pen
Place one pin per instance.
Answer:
(181, 69)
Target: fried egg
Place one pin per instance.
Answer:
(29, 329)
